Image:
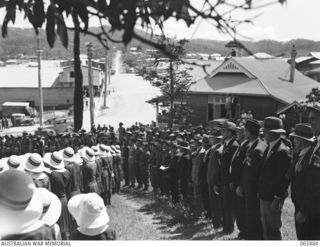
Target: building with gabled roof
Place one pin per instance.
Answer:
(260, 85)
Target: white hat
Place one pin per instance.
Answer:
(95, 149)
(51, 207)
(102, 150)
(20, 204)
(68, 154)
(56, 161)
(46, 162)
(89, 212)
(88, 154)
(34, 163)
(14, 162)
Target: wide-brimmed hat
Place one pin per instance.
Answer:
(46, 162)
(216, 133)
(55, 160)
(102, 150)
(14, 162)
(88, 154)
(273, 124)
(227, 125)
(183, 145)
(89, 211)
(33, 163)
(95, 149)
(20, 204)
(253, 126)
(51, 207)
(68, 154)
(303, 131)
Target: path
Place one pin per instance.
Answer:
(143, 216)
(128, 102)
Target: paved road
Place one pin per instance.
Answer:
(128, 102)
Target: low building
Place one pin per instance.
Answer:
(20, 84)
(67, 77)
(261, 85)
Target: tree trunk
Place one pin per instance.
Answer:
(78, 86)
(171, 117)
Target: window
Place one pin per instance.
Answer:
(71, 74)
(216, 107)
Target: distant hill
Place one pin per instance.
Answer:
(23, 41)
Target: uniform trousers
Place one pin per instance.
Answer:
(125, 171)
(227, 208)
(308, 230)
(239, 212)
(137, 171)
(271, 221)
(215, 206)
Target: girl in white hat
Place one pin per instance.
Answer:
(51, 210)
(92, 218)
(89, 171)
(21, 208)
(34, 166)
(60, 183)
(73, 166)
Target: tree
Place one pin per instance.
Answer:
(173, 81)
(126, 15)
(123, 16)
(313, 96)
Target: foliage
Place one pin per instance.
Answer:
(173, 81)
(125, 16)
(313, 96)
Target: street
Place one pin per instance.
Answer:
(127, 103)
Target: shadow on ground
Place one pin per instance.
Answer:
(177, 222)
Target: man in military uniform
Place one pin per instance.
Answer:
(230, 146)
(273, 183)
(136, 160)
(250, 180)
(144, 165)
(306, 185)
(236, 173)
(25, 143)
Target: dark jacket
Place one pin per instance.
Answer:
(226, 158)
(237, 163)
(251, 167)
(273, 181)
(305, 184)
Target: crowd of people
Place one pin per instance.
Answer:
(235, 173)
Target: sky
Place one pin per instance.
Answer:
(295, 19)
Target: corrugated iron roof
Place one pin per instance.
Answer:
(271, 78)
(21, 76)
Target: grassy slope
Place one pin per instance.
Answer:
(142, 216)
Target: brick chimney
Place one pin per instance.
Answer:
(293, 63)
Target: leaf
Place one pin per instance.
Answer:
(63, 33)
(38, 13)
(51, 24)
(11, 11)
(84, 15)
(3, 3)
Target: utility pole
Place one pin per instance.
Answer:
(39, 81)
(105, 80)
(89, 51)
